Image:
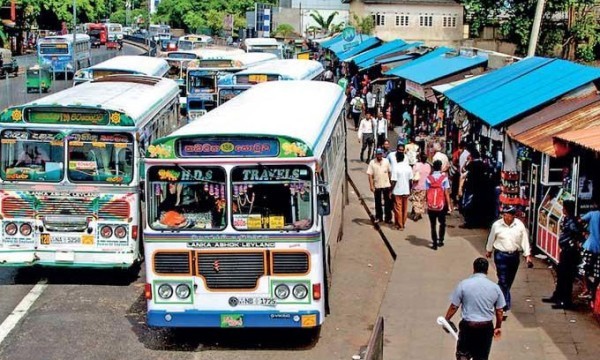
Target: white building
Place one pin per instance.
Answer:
(436, 22)
(153, 5)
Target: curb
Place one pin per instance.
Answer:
(386, 241)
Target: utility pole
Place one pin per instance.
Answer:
(74, 38)
(535, 29)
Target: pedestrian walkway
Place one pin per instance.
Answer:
(422, 280)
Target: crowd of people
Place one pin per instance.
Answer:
(432, 183)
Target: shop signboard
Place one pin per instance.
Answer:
(349, 37)
(415, 90)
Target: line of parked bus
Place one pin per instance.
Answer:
(232, 208)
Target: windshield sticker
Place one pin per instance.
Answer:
(294, 149)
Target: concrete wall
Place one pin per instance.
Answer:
(437, 34)
(293, 17)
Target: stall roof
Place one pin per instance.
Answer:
(397, 58)
(364, 45)
(587, 138)
(444, 87)
(511, 91)
(372, 60)
(382, 49)
(439, 67)
(338, 46)
(334, 40)
(540, 137)
(425, 57)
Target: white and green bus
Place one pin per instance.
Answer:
(70, 171)
(275, 70)
(244, 211)
(205, 74)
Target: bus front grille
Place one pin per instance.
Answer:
(16, 207)
(113, 209)
(290, 263)
(172, 263)
(65, 206)
(229, 270)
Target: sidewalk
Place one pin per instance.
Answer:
(422, 280)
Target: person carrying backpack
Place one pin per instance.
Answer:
(438, 203)
(357, 104)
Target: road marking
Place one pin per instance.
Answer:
(17, 314)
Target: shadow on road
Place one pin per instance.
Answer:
(202, 339)
(69, 276)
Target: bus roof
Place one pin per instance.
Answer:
(65, 38)
(288, 69)
(134, 64)
(202, 53)
(132, 95)
(232, 60)
(294, 110)
(260, 41)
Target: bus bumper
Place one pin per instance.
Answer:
(24, 258)
(240, 319)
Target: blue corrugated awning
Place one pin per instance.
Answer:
(364, 45)
(379, 50)
(430, 55)
(334, 40)
(439, 67)
(338, 46)
(515, 89)
(397, 58)
(370, 61)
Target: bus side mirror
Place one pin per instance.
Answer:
(323, 203)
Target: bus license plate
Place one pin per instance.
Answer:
(264, 301)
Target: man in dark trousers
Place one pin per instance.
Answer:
(507, 239)
(481, 300)
(570, 239)
(438, 203)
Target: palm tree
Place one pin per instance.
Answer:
(364, 25)
(323, 23)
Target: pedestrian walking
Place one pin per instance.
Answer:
(438, 203)
(381, 126)
(569, 242)
(402, 176)
(439, 155)
(392, 156)
(418, 198)
(328, 75)
(386, 148)
(357, 104)
(379, 172)
(365, 134)
(411, 149)
(480, 301)
(371, 101)
(507, 239)
(591, 254)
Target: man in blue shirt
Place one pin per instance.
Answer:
(481, 300)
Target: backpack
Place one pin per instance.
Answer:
(436, 197)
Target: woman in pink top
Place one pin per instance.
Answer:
(421, 171)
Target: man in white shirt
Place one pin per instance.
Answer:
(439, 155)
(392, 156)
(381, 126)
(507, 239)
(464, 155)
(402, 176)
(357, 105)
(371, 101)
(328, 75)
(366, 137)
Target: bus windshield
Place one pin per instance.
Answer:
(100, 158)
(54, 49)
(115, 28)
(274, 197)
(202, 80)
(31, 156)
(190, 198)
(187, 45)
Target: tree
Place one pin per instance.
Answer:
(324, 24)
(364, 25)
(284, 30)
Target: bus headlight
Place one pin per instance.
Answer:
(282, 291)
(11, 229)
(182, 291)
(25, 229)
(165, 291)
(120, 232)
(106, 231)
(300, 291)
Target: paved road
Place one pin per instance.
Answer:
(12, 90)
(100, 315)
